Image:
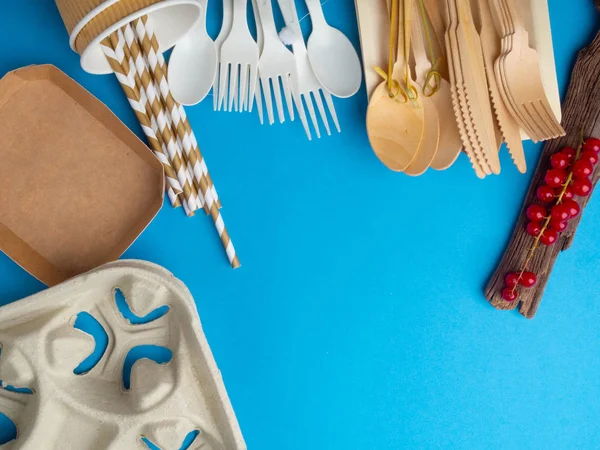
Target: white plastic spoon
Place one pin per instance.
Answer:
(193, 64)
(332, 55)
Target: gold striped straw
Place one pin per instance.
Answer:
(170, 130)
(173, 118)
(124, 77)
(157, 62)
(168, 103)
(132, 62)
(118, 43)
(152, 59)
(161, 116)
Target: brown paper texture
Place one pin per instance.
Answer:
(78, 187)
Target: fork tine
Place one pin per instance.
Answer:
(302, 114)
(537, 117)
(253, 84)
(534, 122)
(268, 102)
(259, 106)
(223, 80)
(317, 95)
(311, 113)
(546, 110)
(287, 91)
(244, 87)
(278, 100)
(215, 88)
(233, 87)
(331, 107)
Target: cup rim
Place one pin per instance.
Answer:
(144, 11)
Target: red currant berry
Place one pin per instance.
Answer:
(582, 169)
(572, 206)
(559, 227)
(582, 187)
(592, 144)
(560, 213)
(534, 229)
(590, 156)
(570, 152)
(528, 279)
(512, 279)
(549, 237)
(560, 160)
(569, 193)
(536, 212)
(555, 177)
(509, 294)
(545, 194)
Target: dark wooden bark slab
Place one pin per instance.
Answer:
(581, 112)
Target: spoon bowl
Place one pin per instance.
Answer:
(335, 62)
(332, 56)
(193, 64)
(395, 129)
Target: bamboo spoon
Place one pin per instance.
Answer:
(394, 125)
(510, 131)
(477, 94)
(461, 110)
(435, 14)
(431, 138)
(450, 143)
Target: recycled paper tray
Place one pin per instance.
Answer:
(55, 406)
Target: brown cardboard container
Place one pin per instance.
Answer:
(78, 187)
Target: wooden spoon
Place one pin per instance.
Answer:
(431, 137)
(395, 128)
(435, 14)
(450, 143)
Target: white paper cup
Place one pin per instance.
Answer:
(90, 21)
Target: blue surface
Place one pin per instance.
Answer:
(357, 320)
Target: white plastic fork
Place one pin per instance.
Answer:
(260, 42)
(276, 66)
(239, 62)
(223, 34)
(306, 83)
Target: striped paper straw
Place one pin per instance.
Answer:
(129, 37)
(151, 56)
(116, 59)
(156, 61)
(169, 104)
(161, 116)
(129, 64)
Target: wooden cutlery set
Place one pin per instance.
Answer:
(456, 75)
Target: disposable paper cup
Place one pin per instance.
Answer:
(90, 21)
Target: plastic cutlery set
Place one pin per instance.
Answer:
(244, 72)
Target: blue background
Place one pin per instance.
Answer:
(357, 320)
